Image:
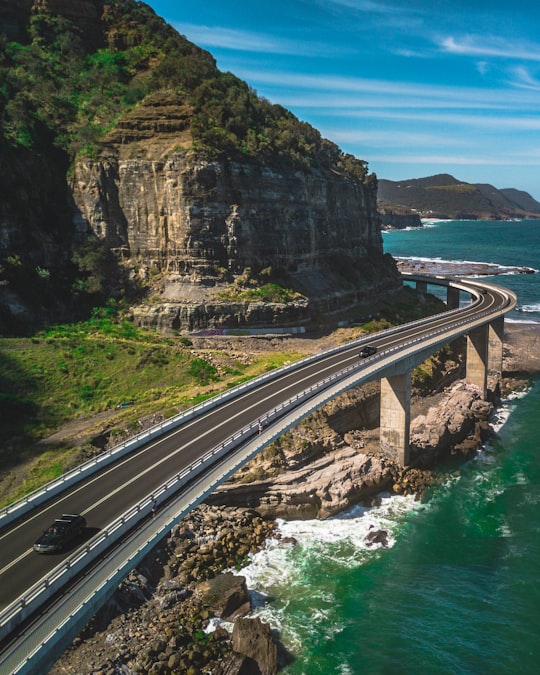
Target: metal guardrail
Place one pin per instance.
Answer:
(39, 496)
(27, 603)
(45, 492)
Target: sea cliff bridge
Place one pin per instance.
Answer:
(46, 600)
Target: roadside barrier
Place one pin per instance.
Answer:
(38, 497)
(371, 367)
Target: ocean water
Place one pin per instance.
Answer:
(505, 243)
(456, 589)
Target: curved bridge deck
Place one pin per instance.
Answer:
(177, 464)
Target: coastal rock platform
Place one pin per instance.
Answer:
(459, 268)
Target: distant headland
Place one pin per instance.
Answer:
(404, 203)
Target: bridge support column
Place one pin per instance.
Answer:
(452, 297)
(421, 289)
(495, 345)
(477, 359)
(396, 417)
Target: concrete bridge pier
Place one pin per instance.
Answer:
(477, 359)
(495, 345)
(396, 416)
(421, 289)
(452, 297)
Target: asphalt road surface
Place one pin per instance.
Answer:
(106, 495)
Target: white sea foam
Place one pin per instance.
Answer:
(500, 417)
(529, 308)
(340, 540)
(497, 422)
(505, 531)
(214, 623)
(280, 577)
(502, 414)
(521, 478)
(521, 321)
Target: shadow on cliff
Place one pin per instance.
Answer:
(17, 410)
(52, 268)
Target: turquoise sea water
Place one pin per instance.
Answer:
(512, 244)
(457, 589)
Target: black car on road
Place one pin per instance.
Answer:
(368, 350)
(62, 532)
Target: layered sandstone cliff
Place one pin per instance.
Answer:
(189, 216)
(198, 222)
(185, 206)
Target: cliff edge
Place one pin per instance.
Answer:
(166, 183)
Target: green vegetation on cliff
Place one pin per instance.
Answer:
(73, 87)
(54, 86)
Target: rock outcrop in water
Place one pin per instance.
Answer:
(318, 472)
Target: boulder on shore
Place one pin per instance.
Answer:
(226, 596)
(253, 639)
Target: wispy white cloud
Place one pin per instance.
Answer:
(461, 160)
(411, 53)
(486, 122)
(394, 14)
(374, 6)
(328, 91)
(473, 45)
(383, 138)
(482, 67)
(523, 79)
(371, 105)
(252, 41)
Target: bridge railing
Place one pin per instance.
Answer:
(39, 496)
(58, 485)
(29, 601)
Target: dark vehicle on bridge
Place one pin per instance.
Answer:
(62, 532)
(368, 350)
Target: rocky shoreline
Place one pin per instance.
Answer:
(457, 268)
(184, 610)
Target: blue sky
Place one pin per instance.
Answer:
(414, 87)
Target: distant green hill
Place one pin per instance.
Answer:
(521, 199)
(443, 196)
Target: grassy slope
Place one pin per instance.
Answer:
(99, 368)
(107, 374)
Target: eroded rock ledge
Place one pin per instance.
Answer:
(185, 227)
(343, 471)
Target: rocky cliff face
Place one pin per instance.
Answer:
(182, 222)
(188, 216)
(396, 221)
(197, 222)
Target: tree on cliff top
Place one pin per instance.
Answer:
(54, 86)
